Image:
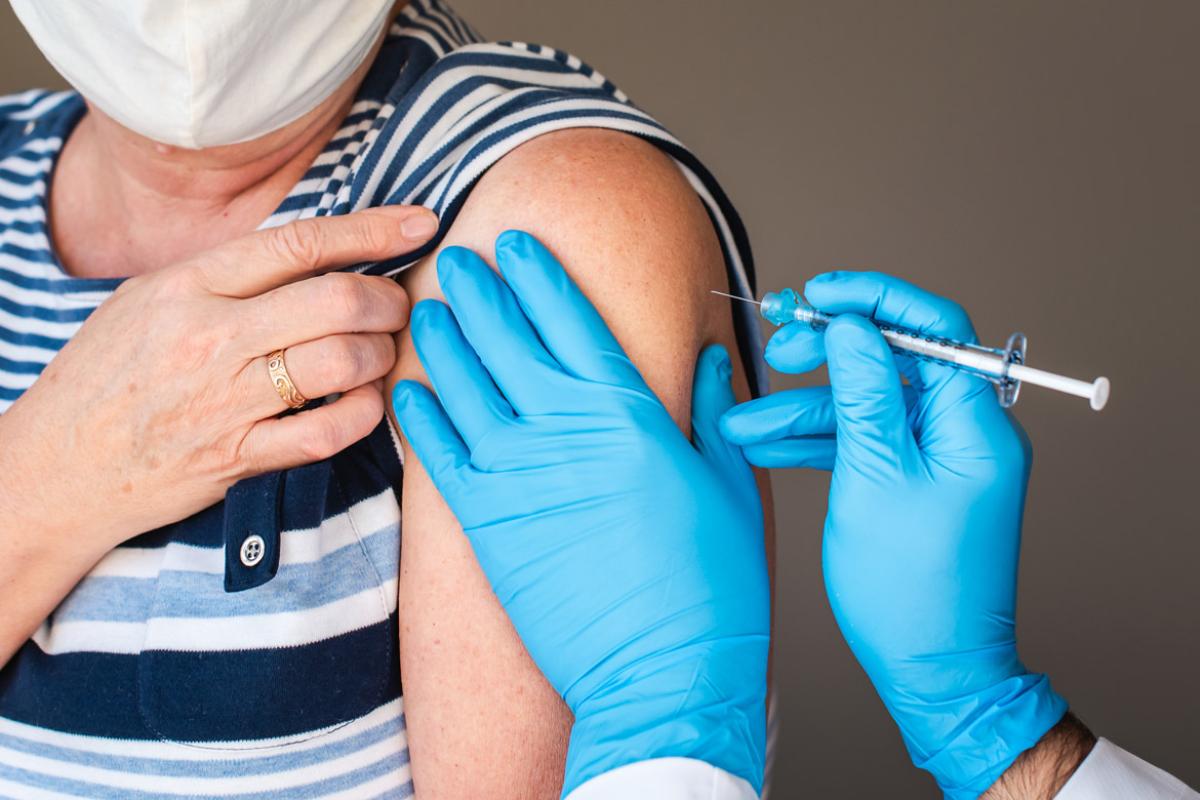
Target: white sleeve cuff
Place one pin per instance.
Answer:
(665, 779)
(1110, 773)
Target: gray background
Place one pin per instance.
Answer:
(1036, 161)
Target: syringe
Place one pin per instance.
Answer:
(1004, 367)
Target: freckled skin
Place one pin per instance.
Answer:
(624, 222)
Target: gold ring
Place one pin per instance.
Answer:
(282, 382)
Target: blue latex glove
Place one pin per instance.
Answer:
(630, 560)
(924, 524)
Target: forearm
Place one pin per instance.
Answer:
(1041, 772)
(42, 557)
(36, 572)
(39, 566)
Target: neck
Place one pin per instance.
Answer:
(122, 204)
(144, 173)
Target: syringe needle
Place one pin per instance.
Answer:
(735, 297)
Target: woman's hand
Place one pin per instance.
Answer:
(162, 400)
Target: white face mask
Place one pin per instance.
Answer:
(203, 73)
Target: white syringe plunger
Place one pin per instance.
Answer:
(1096, 392)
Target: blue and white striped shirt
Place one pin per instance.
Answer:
(172, 669)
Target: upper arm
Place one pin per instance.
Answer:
(628, 228)
(632, 233)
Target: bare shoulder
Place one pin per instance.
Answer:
(630, 230)
(608, 192)
(580, 171)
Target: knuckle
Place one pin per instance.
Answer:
(195, 352)
(396, 295)
(385, 350)
(1008, 456)
(346, 295)
(957, 314)
(1013, 449)
(297, 242)
(319, 441)
(345, 362)
(376, 354)
(196, 335)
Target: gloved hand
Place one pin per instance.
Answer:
(630, 560)
(924, 524)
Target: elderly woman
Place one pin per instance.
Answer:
(200, 496)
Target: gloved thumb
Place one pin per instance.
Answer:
(868, 397)
(712, 396)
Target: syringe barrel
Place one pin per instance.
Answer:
(982, 360)
(786, 305)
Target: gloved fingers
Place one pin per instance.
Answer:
(470, 398)
(892, 301)
(795, 412)
(868, 399)
(712, 396)
(811, 452)
(795, 348)
(804, 412)
(884, 298)
(569, 325)
(492, 321)
(434, 440)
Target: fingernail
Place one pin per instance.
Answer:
(399, 396)
(716, 358)
(725, 368)
(508, 238)
(419, 226)
(448, 262)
